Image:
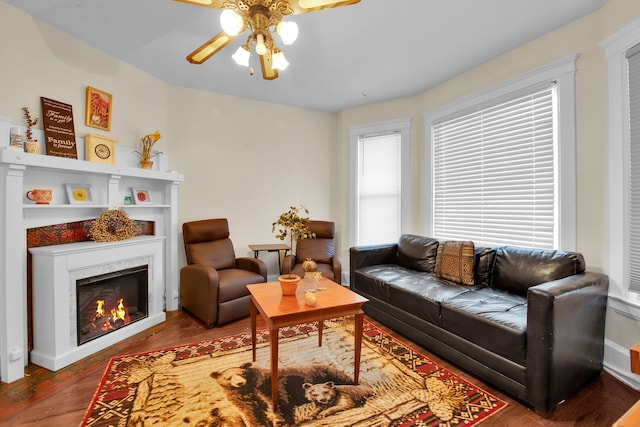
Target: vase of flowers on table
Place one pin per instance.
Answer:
(293, 225)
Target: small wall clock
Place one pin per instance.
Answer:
(99, 148)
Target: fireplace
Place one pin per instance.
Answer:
(70, 279)
(111, 301)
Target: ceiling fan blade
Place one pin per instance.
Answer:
(207, 50)
(302, 6)
(268, 73)
(215, 4)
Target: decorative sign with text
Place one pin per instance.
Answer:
(59, 133)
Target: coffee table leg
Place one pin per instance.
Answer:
(320, 329)
(273, 336)
(359, 320)
(253, 313)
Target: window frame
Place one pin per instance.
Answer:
(402, 126)
(562, 72)
(618, 140)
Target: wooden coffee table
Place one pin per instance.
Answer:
(278, 311)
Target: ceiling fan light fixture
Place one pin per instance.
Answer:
(231, 22)
(261, 48)
(288, 31)
(242, 56)
(279, 61)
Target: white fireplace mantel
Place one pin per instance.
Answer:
(20, 172)
(56, 269)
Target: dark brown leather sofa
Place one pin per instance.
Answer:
(531, 325)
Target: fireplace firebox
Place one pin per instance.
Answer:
(111, 301)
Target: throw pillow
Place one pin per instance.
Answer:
(455, 262)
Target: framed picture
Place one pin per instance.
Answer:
(80, 194)
(140, 196)
(98, 108)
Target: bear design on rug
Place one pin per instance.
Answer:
(329, 398)
(248, 388)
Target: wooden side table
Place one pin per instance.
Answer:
(281, 248)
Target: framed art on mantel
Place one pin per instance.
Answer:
(59, 133)
(98, 108)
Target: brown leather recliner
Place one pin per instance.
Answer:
(213, 284)
(321, 250)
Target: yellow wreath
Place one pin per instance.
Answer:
(111, 226)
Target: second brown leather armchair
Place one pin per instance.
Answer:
(213, 284)
(321, 250)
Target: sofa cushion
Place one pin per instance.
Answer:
(517, 268)
(490, 318)
(484, 260)
(454, 261)
(421, 294)
(417, 252)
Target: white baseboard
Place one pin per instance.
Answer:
(617, 362)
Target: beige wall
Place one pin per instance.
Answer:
(248, 161)
(40, 61)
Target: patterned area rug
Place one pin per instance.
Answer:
(214, 383)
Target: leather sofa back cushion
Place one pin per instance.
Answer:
(455, 261)
(417, 252)
(218, 254)
(319, 250)
(485, 259)
(517, 268)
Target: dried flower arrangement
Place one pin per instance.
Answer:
(111, 226)
(30, 123)
(148, 141)
(294, 225)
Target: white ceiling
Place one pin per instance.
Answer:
(344, 57)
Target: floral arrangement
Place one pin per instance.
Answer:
(293, 224)
(148, 141)
(30, 123)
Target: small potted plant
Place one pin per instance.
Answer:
(293, 225)
(30, 145)
(148, 141)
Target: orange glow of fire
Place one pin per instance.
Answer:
(119, 316)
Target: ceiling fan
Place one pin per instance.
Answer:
(262, 18)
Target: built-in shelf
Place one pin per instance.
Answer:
(21, 172)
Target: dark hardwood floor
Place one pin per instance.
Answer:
(45, 398)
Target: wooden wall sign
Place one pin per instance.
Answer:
(59, 133)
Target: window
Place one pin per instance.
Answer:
(379, 181)
(503, 163)
(493, 172)
(623, 166)
(633, 58)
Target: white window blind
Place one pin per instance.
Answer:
(494, 172)
(633, 57)
(379, 189)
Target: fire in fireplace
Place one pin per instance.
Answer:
(111, 301)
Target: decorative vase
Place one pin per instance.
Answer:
(146, 164)
(289, 283)
(32, 146)
(310, 282)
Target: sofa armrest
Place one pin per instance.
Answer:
(336, 266)
(252, 264)
(364, 256)
(565, 336)
(199, 292)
